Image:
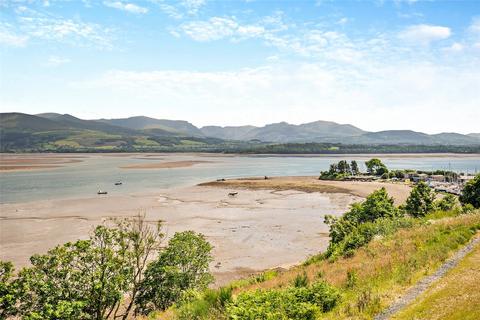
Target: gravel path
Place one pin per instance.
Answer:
(423, 284)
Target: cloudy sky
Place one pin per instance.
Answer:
(375, 64)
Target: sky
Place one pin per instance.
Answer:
(379, 65)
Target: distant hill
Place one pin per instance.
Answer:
(227, 133)
(178, 127)
(73, 122)
(285, 132)
(64, 132)
(24, 122)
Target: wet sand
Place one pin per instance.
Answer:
(20, 162)
(253, 231)
(399, 191)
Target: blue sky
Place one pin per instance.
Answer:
(375, 64)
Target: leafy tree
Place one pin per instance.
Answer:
(377, 205)
(89, 279)
(471, 192)
(354, 167)
(376, 167)
(183, 265)
(343, 167)
(447, 203)
(8, 292)
(420, 201)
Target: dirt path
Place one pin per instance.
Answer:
(426, 282)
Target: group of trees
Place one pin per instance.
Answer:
(342, 169)
(378, 214)
(109, 276)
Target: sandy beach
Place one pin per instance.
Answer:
(398, 191)
(270, 223)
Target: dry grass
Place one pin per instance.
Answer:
(456, 296)
(385, 268)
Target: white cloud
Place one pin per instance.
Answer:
(374, 97)
(55, 61)
(217, 28)
(193, 6)
(10, 38)
(342, 21)
(129, 7)
(37, 25)
(424, 34)
(456, 47)
(475, 26)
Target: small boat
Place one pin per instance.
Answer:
(102, 192)
(118, 183)
(232, 194)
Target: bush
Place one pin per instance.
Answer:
(447, 203)
(364, 233)
(292, 303)
(420, 201)
(471, 193)
(301, 280)
(377, 205)
(8, 292)
(207, 305)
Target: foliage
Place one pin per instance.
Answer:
(301, 280)
(210, 304)
(354, 168)
(97, 278)
(376, 167)
(377, 205)
(471, 192)
(447, 203)
(305, 302)
(182, 265)
(8, 292)
(420, 201)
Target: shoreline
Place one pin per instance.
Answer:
(284, 225)
(309, 184)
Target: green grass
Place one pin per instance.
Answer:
(455, 296)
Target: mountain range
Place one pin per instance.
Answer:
(19, 130)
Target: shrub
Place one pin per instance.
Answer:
(301, 280)
(447, 203)
(471, 193)
(292, 303)
(420, 201)
(377, 205)
(8, 292)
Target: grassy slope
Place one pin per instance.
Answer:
(456, 296)
(385, 268)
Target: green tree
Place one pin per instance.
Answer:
(448, 202)
(354, 166)
(96, 278)
(421, 200)
(376, 167)
(343, 167)
(377, 205)
(183, 265)
(8, 292)
(471, 192)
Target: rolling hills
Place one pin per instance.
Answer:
(64, 132)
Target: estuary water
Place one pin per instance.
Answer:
(101, 171)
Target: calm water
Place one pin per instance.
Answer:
(100, 172)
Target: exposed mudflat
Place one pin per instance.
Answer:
(252, 231)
